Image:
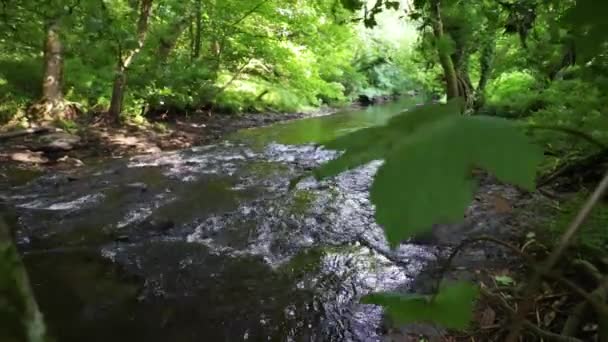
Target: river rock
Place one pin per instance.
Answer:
(70, 162)
(58, 142)
(29, 157)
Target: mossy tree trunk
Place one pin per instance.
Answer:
(449, 71)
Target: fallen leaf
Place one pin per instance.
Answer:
(501, 204)
(504, 280)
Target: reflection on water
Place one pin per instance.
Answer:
(324, 128)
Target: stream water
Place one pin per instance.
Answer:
(209, 244)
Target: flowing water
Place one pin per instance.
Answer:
(210, 244)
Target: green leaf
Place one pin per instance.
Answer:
(352, 5)
(429, 154)
(375, 143)
(504, 280)
(587, 21)
(446, 45)
(427, 179)
(452, 307)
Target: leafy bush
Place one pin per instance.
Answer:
(513, 95)
(575, 104)
(20, 79)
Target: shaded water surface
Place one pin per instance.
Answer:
(209, 244)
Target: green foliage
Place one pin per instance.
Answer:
(589, 26)
(593, 238)
(66, 125)
(504, 280)
(572, 103)
(268, 55)
(452, 307)
(513, 95)
(409, 189)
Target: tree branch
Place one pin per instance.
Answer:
(571, 131)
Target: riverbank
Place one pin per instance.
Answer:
(88, 141)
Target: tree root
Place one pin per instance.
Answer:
(48, 110)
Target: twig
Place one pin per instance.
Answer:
(571, 131)
(554, 257)
(572, 286)
(549, 194)
(384, 253)
(568, 168)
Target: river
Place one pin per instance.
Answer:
(210, 244)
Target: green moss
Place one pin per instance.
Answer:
(305, 262)
(302, 201)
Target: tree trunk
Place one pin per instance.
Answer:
(118, 91)
(124, 61)
(53, 64)
(460, 60)
(197, 43)
(449, 72)
(51, 104)
(168, 42)
(486, 62)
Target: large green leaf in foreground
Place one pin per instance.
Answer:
(429, 154)
(452, 307)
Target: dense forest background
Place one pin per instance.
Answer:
(135, 57)
(130, 59)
